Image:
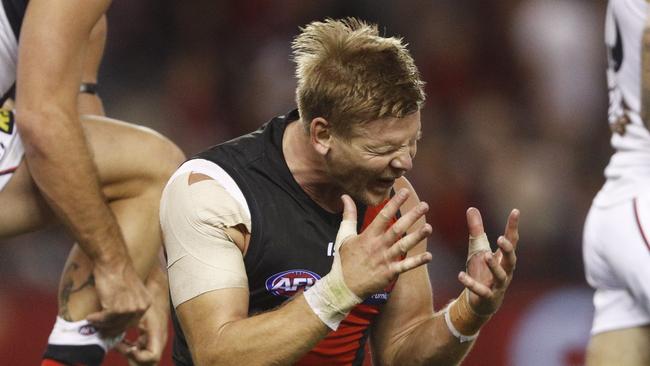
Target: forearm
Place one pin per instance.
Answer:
(432, 341)
(158, 287)
(49, 73)
(67, 178)
(278, 337)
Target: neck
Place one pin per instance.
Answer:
(308, 168)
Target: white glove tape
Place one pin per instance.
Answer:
(478, 244)
(461, 337)
(330, 298)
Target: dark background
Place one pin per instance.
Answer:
(515, 117)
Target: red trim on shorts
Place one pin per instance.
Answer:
(8, 171)
(638, 223)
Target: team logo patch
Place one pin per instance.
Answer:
(288, 283)
(87, 330)
(6, 121)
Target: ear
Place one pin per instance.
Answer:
(320, 135)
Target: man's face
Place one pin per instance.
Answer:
(367, 164)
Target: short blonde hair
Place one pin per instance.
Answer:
(348, 74)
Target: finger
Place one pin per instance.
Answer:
(497, 271)
(404, 223)
(509, 261)
(99, 317)
(474, 222)
(474, 286)
(402, 246)
(512, 228)
(348, 226)
(124, 347)
(144, 355)
(388, 212)
(410, 263)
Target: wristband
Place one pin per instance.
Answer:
(461, 337)
(330, 298)
(88, 88)
(461, 312)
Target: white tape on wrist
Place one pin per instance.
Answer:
(478, 244)
(461, 337)
(330, 298)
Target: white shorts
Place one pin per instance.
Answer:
(616, 251)
(11, 147)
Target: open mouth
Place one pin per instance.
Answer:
(385, 182)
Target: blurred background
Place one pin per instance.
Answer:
(515, 117)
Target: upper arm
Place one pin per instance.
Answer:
(204, 258)
(53, 42)
(91, 103)
(411, 300)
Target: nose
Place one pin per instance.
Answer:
(403, 161)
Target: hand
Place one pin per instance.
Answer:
(152, 338)
(489, 274)
(373, 259)
(122, 295)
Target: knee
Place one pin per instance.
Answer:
(163, 156)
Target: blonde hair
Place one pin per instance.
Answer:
(348, 74)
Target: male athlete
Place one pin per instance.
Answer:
(616, 239)
(101, 178)
(264, 261)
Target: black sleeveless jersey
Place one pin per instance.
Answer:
(291, 244)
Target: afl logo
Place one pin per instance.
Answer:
(288, 283)
(87, 330)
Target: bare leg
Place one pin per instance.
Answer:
(629, 347)
(133, 163)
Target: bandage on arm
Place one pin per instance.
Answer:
(201, 256)
(330, 298)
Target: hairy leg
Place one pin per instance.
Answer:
(134, 164)
(620, 347)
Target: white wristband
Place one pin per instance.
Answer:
(461, 337)
(330, 298)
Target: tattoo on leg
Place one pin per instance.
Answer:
(67, 289)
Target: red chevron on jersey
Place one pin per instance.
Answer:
(347, 345)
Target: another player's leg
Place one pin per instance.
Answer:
(620, 347)
(133, 163)
(617, 264)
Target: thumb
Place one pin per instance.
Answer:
(349, 209)
(348, 226)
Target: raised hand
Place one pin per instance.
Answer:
(373, 259)
(489, 274)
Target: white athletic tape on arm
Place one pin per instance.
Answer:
(461, 337)
(201, 257)
(330, 298)
(478, 244)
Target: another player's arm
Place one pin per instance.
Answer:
(408, 331)
(89, 101)
(53, 44)
(228, 336)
